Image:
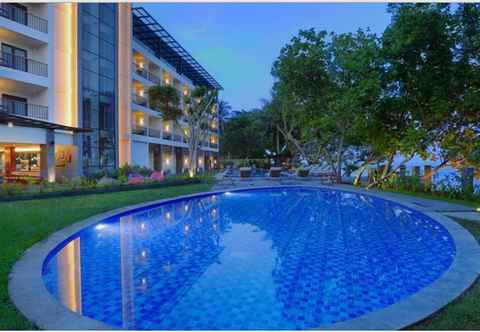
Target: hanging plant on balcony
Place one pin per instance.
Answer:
(165, 100)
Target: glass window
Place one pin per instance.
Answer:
(107, 68)
(107, 15)
(90, 80)
(91, 8)
(107, 33)
(107, 86)
(90, 23)
(90, 42)
(90, 61)
(107, 50)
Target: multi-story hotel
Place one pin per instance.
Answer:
(74, 82)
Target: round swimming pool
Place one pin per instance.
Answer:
(277, 258)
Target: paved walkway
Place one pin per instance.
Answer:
(422, 204)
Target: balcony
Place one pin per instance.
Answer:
(24, 109)
(16, 62)
(139, 130)
(139, 100)
(155, 133)
(23, 17)
(146, 74)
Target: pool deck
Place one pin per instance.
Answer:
(30, 296)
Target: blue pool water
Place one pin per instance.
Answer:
(283, 258)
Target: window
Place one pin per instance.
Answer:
(15, 105)
(90, 23)
(90, 42)
(14, 57)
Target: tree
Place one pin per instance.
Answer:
(224, 111)
(323, 91)
(199, 108)
(247, 134)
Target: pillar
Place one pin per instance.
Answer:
(427, 177)
(77, 155)
(10, 160)
(47, 157)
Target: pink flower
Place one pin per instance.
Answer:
(157, 176)
(136, 179)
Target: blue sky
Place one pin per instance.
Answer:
(237, 43)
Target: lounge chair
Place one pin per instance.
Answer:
(275, 172)
(245, 172)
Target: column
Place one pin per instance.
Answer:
(10, 160)
(77, 155)
(427, 177)
(47, 157)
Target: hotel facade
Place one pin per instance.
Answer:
(74, 82)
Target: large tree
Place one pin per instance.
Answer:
(199, 108)
(325, 87)
(247, 134)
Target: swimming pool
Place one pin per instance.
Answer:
(282, 258)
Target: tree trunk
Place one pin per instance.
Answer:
(358, 179)
(339, 160)
(382, 178)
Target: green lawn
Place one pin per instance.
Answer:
(24, 223)
(436, 197)
(463, 313)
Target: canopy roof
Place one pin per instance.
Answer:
(151, 33)
(22, 121)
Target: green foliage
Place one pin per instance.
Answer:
(166, 100)
(248, 134)
(368, 98)
(448, 187)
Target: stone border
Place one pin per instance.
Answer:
(30, 296)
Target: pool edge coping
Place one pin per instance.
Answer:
(30, 296)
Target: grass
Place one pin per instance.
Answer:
(24, 223)
(464, 312)
(435, 197)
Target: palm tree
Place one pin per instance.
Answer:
(224, 111)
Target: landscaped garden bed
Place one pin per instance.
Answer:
(124, 179)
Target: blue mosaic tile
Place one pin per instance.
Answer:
(264, 259)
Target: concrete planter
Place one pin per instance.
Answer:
(245, 172)
(275, 172)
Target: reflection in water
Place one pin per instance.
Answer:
(267, 259)
(127, 269)
(69, 276)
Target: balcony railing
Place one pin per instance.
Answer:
(156, 133)
(21, 16)
(24, 109)
(23, 64)
(139, 100)
(146, 74)
(139, 130)
(167, 135)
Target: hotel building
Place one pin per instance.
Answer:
(74, 82)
